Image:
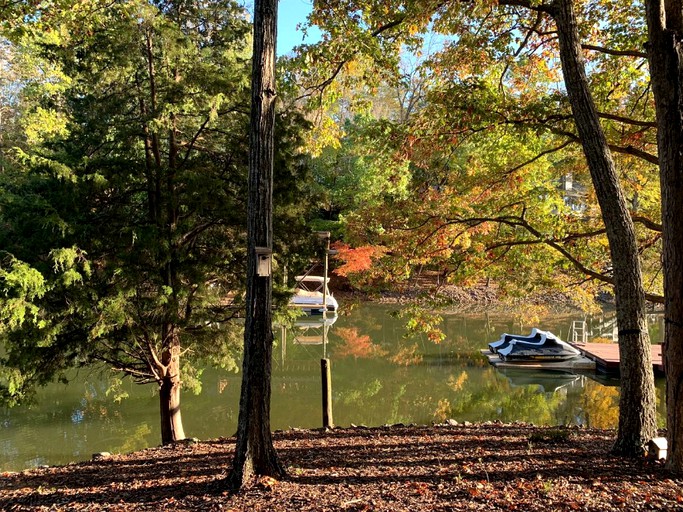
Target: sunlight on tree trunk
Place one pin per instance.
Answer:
(665, 28)
(169, 397)
(637, 413)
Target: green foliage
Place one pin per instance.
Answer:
(115, 390)
(125, 212)
(489, 142)
(421, 321)
(360, 172)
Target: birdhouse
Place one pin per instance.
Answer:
(264, 257)
(657, 448)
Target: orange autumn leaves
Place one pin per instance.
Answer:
(358, 259)
(360, 346)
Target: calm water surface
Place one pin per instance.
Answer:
(379, 376)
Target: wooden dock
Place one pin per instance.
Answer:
(606, 355)
(603, 357)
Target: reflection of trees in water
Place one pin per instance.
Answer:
(600, 405)
(356, 345)
(379, 377)
(476, 393)
(407, 356)
(497, 398)
(135, 438)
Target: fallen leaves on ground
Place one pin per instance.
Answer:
(441, 468)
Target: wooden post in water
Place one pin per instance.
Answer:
(326, 379)
(283, 348)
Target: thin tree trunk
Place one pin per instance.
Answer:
(169, 396)
(665, 49)
(254, 451)
(637, 413)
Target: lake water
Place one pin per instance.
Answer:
(378, 377)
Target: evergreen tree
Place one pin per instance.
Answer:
(132, 216)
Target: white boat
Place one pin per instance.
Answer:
(537, 336)
(313, 296)
(537, 346)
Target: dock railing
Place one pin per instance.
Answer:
(578, 333)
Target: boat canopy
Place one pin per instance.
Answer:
(316, 279)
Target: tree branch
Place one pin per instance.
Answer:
(515, 221)
(648, 223)
(322, 86)
(620, 53)
(627, 120)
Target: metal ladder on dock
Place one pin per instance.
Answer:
(578, 332)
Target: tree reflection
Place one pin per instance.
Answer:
(356, 345)
(600, 405)
(379, 376)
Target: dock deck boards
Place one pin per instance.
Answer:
(606, 355)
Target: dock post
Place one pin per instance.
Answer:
(326, 378)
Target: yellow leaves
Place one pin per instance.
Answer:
(407, 356)
(531, 315)
(443, 410)
(326, 134)
(42, 125)
(600, 405)
(457, 383)
(351, 67)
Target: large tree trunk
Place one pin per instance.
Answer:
(637, 413)
(665, 27)
(254, 451)
(169, 397)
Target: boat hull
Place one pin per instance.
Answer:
(313, 306)
(539, 346)
(312, 295)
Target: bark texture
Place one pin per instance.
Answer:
(637, 414)
(665, 27)
(254, 451)
(169, 397)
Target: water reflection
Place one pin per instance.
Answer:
(379, 376)
(549, 381)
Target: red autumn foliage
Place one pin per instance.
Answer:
(356, 345)
(356, 259)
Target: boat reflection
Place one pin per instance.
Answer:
(546, 381)
(313, 330)
(307, 330)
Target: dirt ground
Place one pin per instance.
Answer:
(395, 468)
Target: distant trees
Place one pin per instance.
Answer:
(495, 128)
(491, 120)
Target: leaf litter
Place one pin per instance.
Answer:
(448, 467)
